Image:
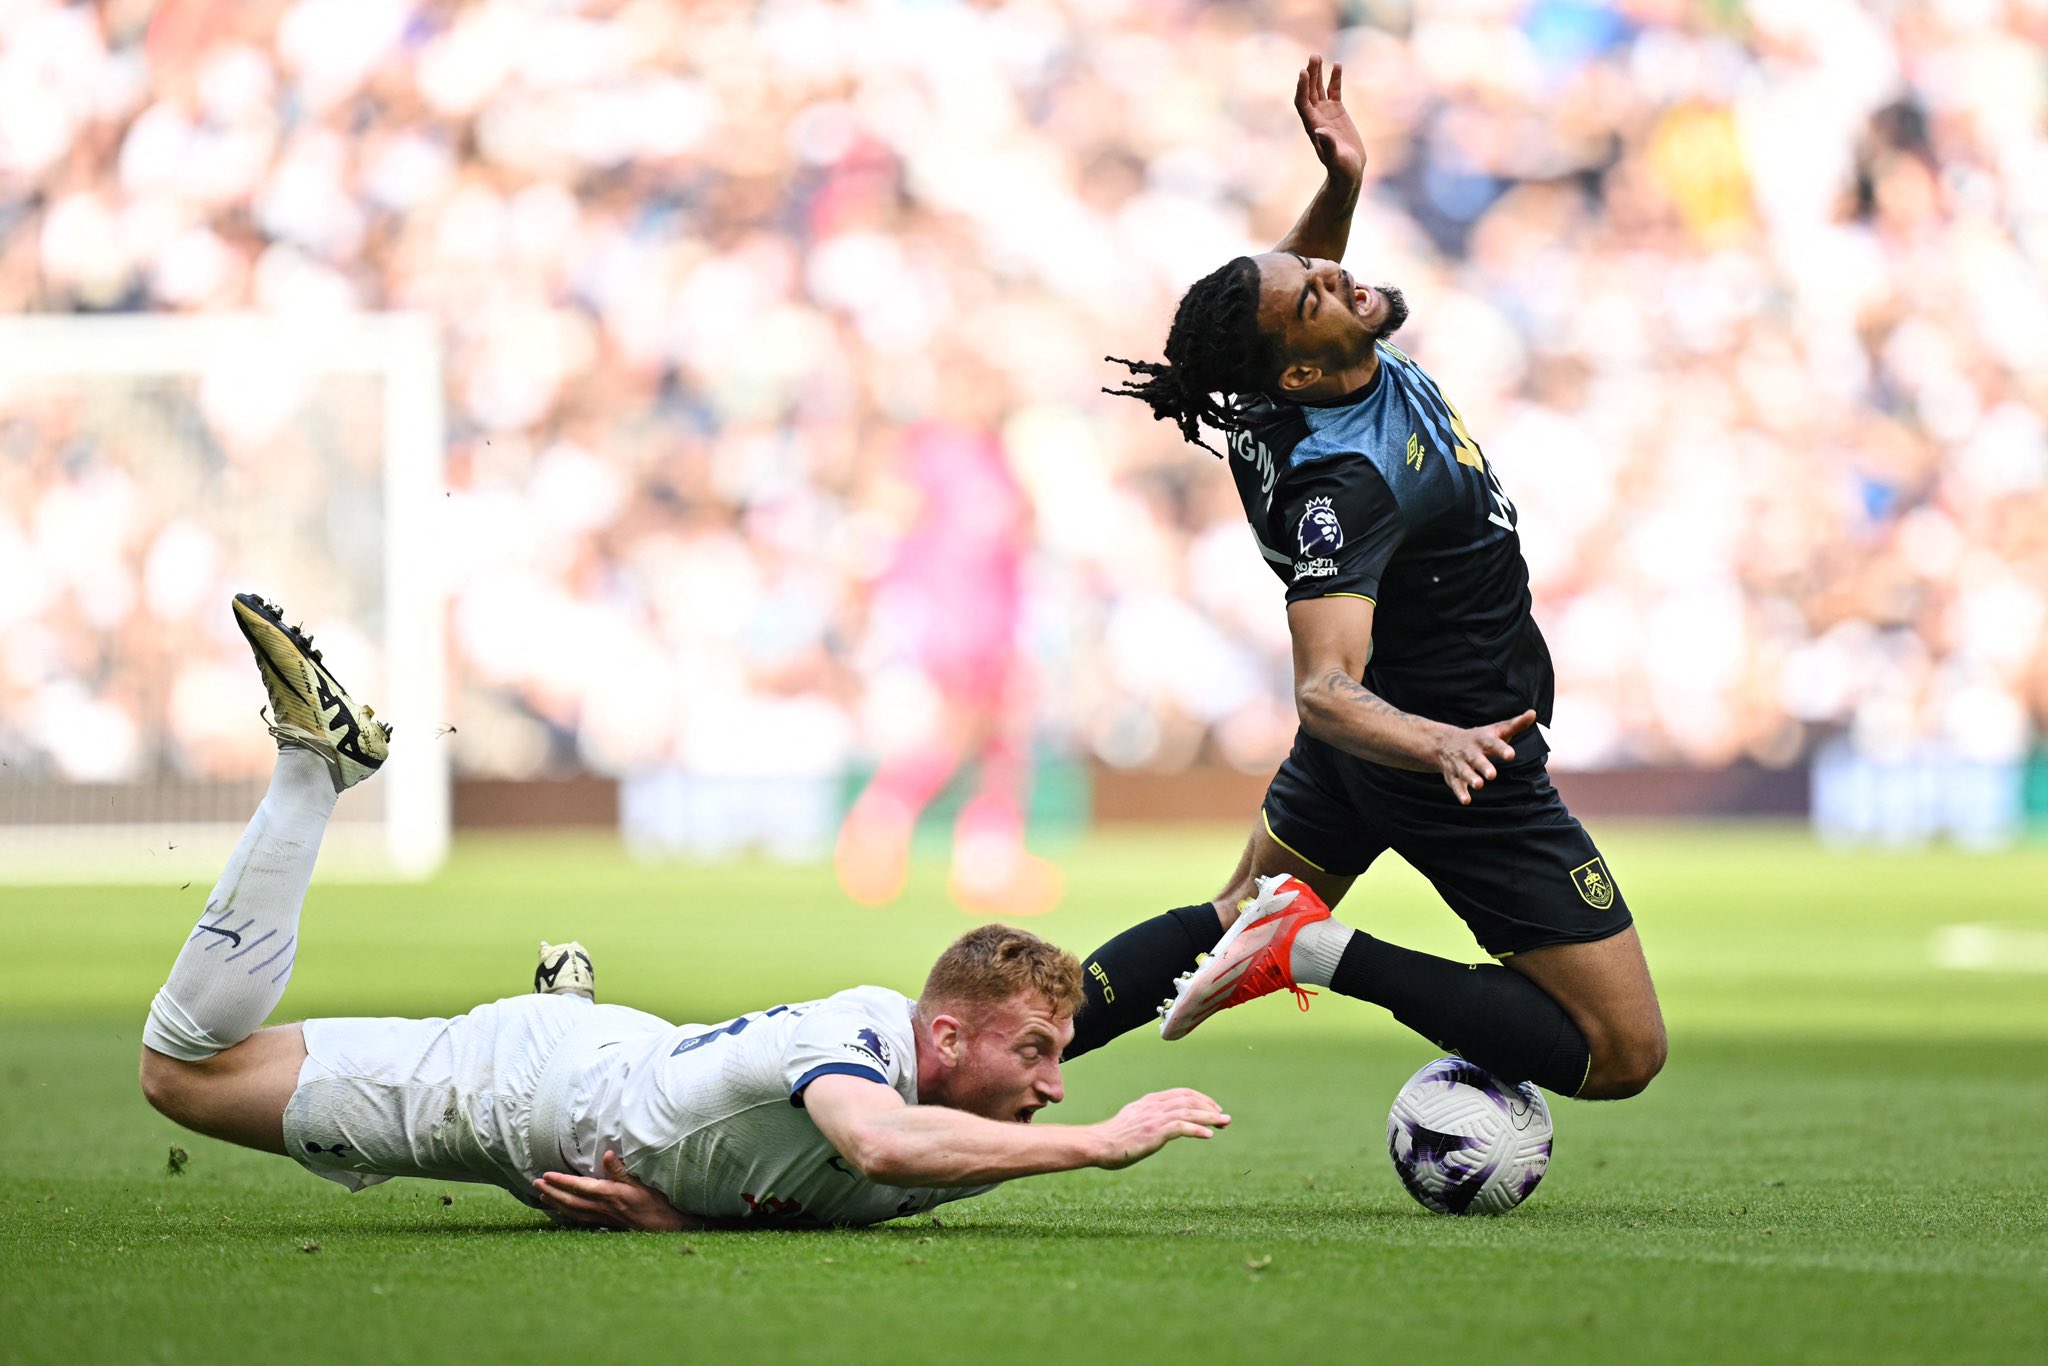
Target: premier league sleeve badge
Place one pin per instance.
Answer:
(1320, 532)
(1321, 536)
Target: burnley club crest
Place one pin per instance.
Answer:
(1595, 887)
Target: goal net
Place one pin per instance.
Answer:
(152, 466)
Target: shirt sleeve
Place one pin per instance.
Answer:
(1344, 532)
(841, 1038)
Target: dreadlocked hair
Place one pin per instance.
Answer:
(1215, 346)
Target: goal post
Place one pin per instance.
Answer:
(151, 466)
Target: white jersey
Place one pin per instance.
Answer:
(712, 1115)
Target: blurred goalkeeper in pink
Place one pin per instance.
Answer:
(951, 693)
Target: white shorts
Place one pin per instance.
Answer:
(449, 1099)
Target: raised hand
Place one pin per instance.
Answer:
(1151, 1122)
(1337, 143)
(621, 1202)
(1466, 756)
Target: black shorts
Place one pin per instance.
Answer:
(1514, 865)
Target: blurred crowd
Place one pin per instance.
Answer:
(1746, 299)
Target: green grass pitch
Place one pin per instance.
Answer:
(1846, 1159)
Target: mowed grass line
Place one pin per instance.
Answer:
(1845, 1161)
(1749, 931)
(1657, 1237)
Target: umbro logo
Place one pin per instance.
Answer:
(336, 1150)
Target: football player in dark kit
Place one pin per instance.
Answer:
(1419, 676)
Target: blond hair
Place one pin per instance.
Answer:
(988, 966)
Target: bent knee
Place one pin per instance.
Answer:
(1625, 1068)
(167, 1084)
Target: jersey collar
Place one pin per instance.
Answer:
(1361, 393)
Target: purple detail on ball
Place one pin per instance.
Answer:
(1458, 1072)
(1459, 1195)
(1428, 1145)
(1414, 1186)
(1425, 1159)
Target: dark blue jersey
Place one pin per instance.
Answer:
(1384, 495)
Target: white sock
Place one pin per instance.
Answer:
(1317, 947)
(233, 969)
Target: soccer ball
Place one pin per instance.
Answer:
(1466, 1142)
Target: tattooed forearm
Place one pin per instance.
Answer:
(1339, 710)
(1340, 684)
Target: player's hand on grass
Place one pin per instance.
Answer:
(1466, 757)
(1151, 1122)
(1329, 127)
(620, 1202)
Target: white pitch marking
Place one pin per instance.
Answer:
(1990, 948)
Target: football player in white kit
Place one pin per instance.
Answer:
(861, 1107)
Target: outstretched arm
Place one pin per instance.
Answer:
(1325, 226)
(894, 1144)
(1332, 642)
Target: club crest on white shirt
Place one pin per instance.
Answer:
(869, 1044)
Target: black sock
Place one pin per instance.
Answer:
(1490, 1015)
(1128, 977)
